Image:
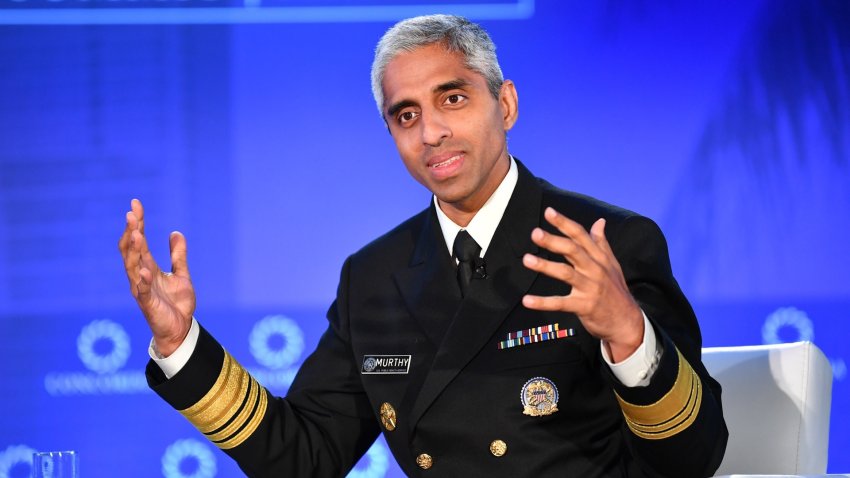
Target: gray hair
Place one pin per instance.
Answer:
(457, 34)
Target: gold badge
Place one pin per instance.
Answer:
(388, 418)
(539, 397)
(498, 448)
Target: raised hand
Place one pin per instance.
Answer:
(167, 299)
(599, 296)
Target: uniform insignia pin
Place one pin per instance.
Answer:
(369, 364)
(388, 417)
(539, 397)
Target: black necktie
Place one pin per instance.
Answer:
(467, 252)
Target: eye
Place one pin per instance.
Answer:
(455, 99)
(407, 116)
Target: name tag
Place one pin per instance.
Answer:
(385, 364)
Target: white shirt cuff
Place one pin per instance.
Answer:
(173, 363)
(638, 368)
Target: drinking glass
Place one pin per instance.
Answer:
(55, 464)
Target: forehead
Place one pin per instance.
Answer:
(414, 73)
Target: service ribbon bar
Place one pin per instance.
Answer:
(533, 331)
(535, 338)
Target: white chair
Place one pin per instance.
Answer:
(776, 401)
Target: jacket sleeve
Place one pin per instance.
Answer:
(321, 428)
(674, 427)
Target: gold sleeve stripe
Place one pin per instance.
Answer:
(673, 413)
(239, 416)
(232, 409)
(251, 426)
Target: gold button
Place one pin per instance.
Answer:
(498, 447)
(424, 461)
(388, 418)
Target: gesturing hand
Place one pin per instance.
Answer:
(599, 295)
(167, 299)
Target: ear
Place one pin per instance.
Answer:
(509, 103)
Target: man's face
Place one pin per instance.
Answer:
(449, 130)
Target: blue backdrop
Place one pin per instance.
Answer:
(727, 122)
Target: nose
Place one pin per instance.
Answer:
(434, 128)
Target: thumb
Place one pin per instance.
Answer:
(179, 264)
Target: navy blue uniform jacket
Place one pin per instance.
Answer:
(399, 296)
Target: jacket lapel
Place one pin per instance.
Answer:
(431, 295)
(491, 299)
(428, 286)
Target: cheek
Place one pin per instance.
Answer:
(485, 129)
(496, 132)
(405, 137)
(410, 156)
(405, 145)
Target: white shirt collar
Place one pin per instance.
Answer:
(483, 224)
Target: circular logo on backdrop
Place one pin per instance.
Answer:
(103, 330)
(13, 457)
(790, 317)
(377, 463)
(188, 459)
(267, 329)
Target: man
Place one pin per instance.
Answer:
(509, 329)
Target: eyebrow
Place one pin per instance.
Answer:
(450, 85)
(441, 88)
(399, 106)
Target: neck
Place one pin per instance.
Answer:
(458, 216)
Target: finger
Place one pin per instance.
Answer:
(130, 247)
(132, 259)
(143, 286)
(550, 303)
(124, 240)
(179, 263)
(564, 246)
(139, 211)
(144, 271)
(139, 275)
(597, 233)
(574, 231)
(135, 218)
(140, 245)
(556, 270)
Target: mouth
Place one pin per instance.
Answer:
(444, 161)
